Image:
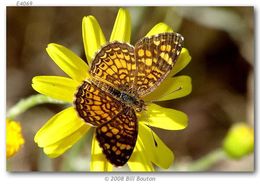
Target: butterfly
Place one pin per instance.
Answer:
(121, 76)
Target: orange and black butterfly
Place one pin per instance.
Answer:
(122, 75)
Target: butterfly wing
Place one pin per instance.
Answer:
(117, 137)
(155, 57)
(115, 65)
(94, 105)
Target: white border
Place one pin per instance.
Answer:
(94, 179)
(135, 3)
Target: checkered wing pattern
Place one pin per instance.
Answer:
(115, 65)
(121, 68)
(117, 137)
(94, 105)
(155, 57)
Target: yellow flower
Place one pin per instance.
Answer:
(66, 128)
(14, 138)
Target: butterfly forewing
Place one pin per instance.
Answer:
(115, 65)
(155, 57)
(117, 137)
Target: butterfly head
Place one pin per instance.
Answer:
(139, 105)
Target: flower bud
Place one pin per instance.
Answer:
(239, 141)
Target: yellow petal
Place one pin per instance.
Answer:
(164, 118)
(159, 28)
(122, 27)
(180, 86)
(158, 152)
(93, 37)
(60, 88)
(183, 60)
(139, 160)
(58, 148)
(59, 127)
(98, 162)
(68, 61)
(171, 88)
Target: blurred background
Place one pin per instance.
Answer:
(219, 39)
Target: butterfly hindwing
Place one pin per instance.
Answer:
(117, 137)
(94, 105)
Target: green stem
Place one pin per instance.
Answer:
(71, 155)
(200, 165)
(30, 102)
(207, 161)
(44, 163)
